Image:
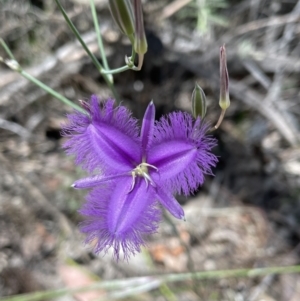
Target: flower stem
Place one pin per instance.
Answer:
(77, 34)
(51, 91)
(117, 70)
(107, 77)
(99, 37)
(131, 283)
(7, 50)
(130, 64)
(15, 66)
(101, 48)
(219, 121)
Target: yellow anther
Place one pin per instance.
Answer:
(142, 171)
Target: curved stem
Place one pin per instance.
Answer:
(219, 121)
(130, 61)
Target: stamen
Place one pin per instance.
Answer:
(149, 165)
(148, 179)
(142, 171)
(133, 181)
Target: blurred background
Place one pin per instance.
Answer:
(247, 216)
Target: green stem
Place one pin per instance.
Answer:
(107, 77)
(7, 50)
(138, 281)
(117, 70)
(14, 65)
(124, 68)
(99, 37)
(77, 34)
(51, 91)
(114, 91)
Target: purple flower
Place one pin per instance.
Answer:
(132, 170)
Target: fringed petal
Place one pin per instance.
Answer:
(116, 150)
(126, 206)
(182, 152)
(119, 219)
(106, 139)
(172, 157)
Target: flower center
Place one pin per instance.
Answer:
(142, 171)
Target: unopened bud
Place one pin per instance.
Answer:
(224, 80)
(122, 14)
(140, 41)
(198, 102)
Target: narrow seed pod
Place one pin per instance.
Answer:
(140, 40)
(224, 80)
(198, 102)
(122, 13)
(140, 43)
